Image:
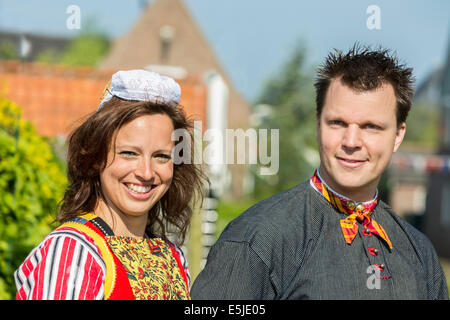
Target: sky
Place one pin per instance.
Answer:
(253, 38)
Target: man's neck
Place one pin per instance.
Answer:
(362, 194)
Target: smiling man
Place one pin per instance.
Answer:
(357, 134)
(332, 237)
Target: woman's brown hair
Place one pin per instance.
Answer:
(88, 147)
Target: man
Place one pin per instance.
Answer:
(331, 237)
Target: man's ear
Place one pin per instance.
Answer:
(399, 135)
(317, 126)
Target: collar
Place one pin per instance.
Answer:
(342, 197)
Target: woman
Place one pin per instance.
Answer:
(125, 192)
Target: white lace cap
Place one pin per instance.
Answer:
(142, 85)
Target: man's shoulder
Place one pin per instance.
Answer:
(419, 240)
(405, 225)
(427, 256)
(278, 214)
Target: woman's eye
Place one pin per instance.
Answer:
(163, 157)
(128, 153)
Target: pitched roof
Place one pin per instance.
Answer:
(141, 47)
(188, 48)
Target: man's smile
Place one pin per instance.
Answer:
(350, 163)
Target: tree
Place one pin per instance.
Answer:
(289, 95)
(87, 49)
(8, 50)
(422, 128)
(32, 182)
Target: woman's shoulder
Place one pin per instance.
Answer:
(71, 234)
(59, 265)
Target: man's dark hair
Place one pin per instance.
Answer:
(363, 69)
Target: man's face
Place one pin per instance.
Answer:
(357, 134)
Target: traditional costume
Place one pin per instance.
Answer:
(84, 260)
(309, 242)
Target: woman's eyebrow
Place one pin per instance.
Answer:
(137, 148)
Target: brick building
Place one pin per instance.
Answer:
(55, 98)
(167, 40)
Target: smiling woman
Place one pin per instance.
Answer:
(124, 194)
(138, 173)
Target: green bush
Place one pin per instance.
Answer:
(32, 182)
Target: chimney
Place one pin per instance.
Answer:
(166, 35)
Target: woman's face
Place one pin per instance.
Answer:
(139, 167)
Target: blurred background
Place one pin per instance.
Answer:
(241, 65)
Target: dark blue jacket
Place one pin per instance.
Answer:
(290, 246)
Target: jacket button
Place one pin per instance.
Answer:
(351, 205)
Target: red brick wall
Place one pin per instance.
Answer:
(55, 98)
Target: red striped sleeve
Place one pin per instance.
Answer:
(40, 272)
(92, 281)
(64, 268)
(65, 265)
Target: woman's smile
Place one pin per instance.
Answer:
(139, 191)
(139, 170)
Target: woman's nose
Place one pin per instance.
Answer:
(144, 169)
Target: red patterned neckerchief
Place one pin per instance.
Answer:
(356, 212)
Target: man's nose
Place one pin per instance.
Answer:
(352, 137)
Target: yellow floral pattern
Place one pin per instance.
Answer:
(152, 270)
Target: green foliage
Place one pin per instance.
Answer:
(87, 49)
(422, 127)
(31, 184)
(8, 51)
(49, 56)
(290, 97)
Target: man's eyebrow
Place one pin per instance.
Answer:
(373, 122)
(334, 117)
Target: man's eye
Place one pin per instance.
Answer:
(336, 123)
(372, 127)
